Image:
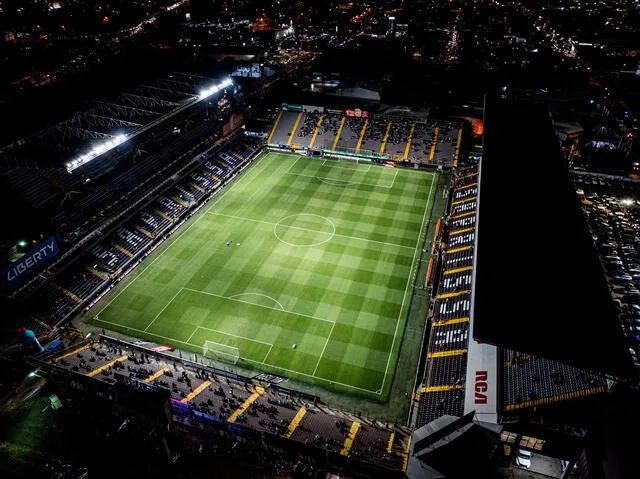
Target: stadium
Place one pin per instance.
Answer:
(311, 289)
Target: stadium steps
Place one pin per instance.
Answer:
(392, 436)
(457, 270)
(348, 442)
(434, 142)
(212, 176)
(163, 214)
(558, 398)
(180, 201)
(274, 127)
(437, 389)
(446, 322)
(295, 422)
(462, 231)
(453, 294)
(518, 359)
(197, 187)
(385, 138)
(463, 215)
(405, 454)
(408, 147)
(337, 138)
(155, 375)
(364, 129)
(457, 150)
(122, 250)
(442, 354)
(259, 391)
(73, 296)
(465, 200)
(294, 129)
(71, 353)
(97, 273)
(98, 370)
(145, 232)
(196, 391)
(316, 131)
(470, 185)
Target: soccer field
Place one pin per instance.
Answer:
(322, 254)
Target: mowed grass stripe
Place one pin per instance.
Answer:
(358, 283)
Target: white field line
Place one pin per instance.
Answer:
(267, 355)
(173, 340)
(176, 238)
(162, 310)
(194, 332)
(345, 168)
(259, 294)
(260, 305)
(409, 279)
(294, 164)
(323, 350)
(235, 336)
(313, 231)
(261, 188)
(394, 178)
(328, 381)
(324, 179)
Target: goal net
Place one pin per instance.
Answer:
(220, 352)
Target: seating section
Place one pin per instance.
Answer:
(202, 396)
(407, 140)
(105, 261)
(284, 127)
(306, 129)
(351, 131)
(442, 390)
(398, 138)
(374, 135)
(328, 131)
(527, 381)
(533, 381)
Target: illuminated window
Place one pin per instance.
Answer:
(532, 443)
(507, 436)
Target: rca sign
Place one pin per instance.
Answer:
(481, 387)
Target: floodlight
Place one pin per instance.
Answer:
(96, 151)
(215, 89)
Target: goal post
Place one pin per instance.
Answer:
(221, 352)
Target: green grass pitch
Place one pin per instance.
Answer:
(322, 255)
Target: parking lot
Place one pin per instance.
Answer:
(613, 215)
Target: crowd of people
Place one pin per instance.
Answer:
(220, 395)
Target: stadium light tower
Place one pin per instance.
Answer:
(96, 151)
(215, 89)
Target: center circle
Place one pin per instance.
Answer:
(299, 230)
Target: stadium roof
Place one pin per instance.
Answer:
(539, 285)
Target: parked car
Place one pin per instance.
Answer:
(523, 459)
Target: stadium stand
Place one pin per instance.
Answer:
(374, 134)
(527, 381)
(328, 132)
(533, 381)
(400, 138)
(201, 397)
(351, 132)
(284, 128)
(58, 298)
(560, 232)
(306, 130)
